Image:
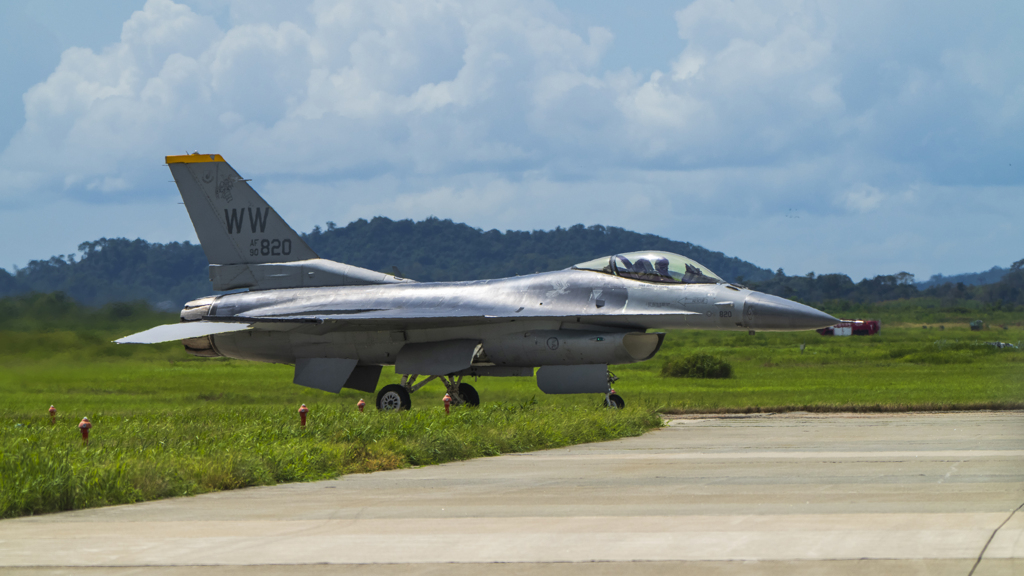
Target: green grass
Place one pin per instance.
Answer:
(168, 424)
(898, 369)
(160, 453)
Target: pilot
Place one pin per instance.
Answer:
(661, 267)
(644, 270)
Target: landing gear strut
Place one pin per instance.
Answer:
(397, 396)
(611, 399)
(460, 393)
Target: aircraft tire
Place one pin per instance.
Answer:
(393, 398)
(615, 401)
(469, 395)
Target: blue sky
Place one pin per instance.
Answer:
(864, 138)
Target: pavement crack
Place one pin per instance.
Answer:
(990, 538)
(950, 473)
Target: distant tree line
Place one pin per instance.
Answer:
(36, 311)
(117, 270)
(838, 288)
(990, 276)
(167, 275)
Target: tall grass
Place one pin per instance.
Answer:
(168, 424)
(135, 457)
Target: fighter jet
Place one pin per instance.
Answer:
(340, 324)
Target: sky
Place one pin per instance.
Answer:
(864, 138)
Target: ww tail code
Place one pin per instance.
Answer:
(236, 217)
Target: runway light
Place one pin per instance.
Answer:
(447, 403)
(302, 415)
(361, 405)
(53, 415)
(84, 426)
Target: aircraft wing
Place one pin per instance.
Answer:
(364, 320)
(399, 318)
(414, 314)
(374, 319)
(171, 332)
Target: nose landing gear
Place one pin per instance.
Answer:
(611, 399)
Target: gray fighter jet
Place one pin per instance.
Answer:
(339, 324)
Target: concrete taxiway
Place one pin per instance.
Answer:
(782, 494)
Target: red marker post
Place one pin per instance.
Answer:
(447, 403)
(53, 415)
(361, 405)
(84, 426)
(302, 415)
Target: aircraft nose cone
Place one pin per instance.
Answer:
(767, 312)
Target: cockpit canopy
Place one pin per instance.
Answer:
(652, 266)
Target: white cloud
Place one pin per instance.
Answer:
(164, 28)
(862, 198)
(501, 114)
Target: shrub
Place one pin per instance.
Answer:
(697, 366)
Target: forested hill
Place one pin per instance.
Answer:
(990, 276)
(168, 275)
(441, 250)
(118, 270)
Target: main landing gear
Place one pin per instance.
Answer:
(611, 399)
(393, 398)
(396, 397)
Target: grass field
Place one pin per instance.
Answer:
(167, 424)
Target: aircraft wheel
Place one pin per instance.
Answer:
(469, 395)
(393, 398)
(615, 401)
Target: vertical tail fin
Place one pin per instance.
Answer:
(247, 243)
(234, 224)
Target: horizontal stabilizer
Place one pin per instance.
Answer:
(181, 331)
